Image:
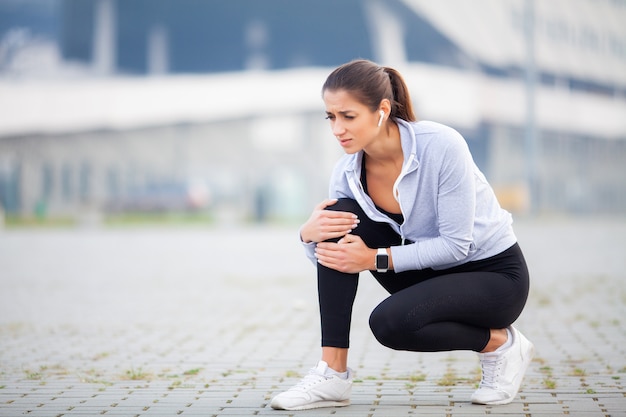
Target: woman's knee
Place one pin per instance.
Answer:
(346, 204)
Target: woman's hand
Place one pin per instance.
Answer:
(327, 224)
(350, 255)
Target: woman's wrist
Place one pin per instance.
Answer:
(302, 235)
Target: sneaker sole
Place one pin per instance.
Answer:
(319, 404)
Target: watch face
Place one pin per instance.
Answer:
(382, 262)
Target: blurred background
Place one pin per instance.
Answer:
(211, 109)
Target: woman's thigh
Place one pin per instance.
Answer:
(497, 286)
(482, 299)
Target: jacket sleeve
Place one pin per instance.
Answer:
(455, 194)
(309, 250)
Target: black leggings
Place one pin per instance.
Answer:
(428, 310)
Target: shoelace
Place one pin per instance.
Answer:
(490, 371)
(309, 380)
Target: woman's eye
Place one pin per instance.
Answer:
(329, 117)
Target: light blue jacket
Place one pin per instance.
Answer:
(450, 211)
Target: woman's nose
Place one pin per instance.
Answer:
(337, 128)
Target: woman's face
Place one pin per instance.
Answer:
(352, 123)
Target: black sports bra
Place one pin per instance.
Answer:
(396, 217)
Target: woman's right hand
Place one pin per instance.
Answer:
(327, 224)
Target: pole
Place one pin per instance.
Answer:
(530, 134)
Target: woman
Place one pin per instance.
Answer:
(408, 204)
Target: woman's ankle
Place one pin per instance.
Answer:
(336, 358)
(497, 338)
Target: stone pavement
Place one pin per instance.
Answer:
(215, 321)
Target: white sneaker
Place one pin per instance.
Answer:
(316, 390)
(503, 371)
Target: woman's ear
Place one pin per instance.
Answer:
(384, 109)
(385, 105)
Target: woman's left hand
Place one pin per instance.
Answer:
(350, 254)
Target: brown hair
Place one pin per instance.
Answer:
(370, 84)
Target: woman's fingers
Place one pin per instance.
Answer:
(327, 224)
(343, 223)
(350, 254)
(326, 203)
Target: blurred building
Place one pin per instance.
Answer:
(116, 105)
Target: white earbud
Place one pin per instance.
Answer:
(380, 121)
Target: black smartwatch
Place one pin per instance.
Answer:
(382, 260)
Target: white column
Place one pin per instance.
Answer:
(104, 50)
(387, 34)
(158, 50)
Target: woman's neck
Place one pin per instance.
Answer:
(387, 150)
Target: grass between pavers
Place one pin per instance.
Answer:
(586, 381)
(45, 373)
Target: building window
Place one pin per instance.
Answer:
(47, 182)
(67, 183)
(84, 179)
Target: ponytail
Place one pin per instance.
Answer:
(401, 106)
